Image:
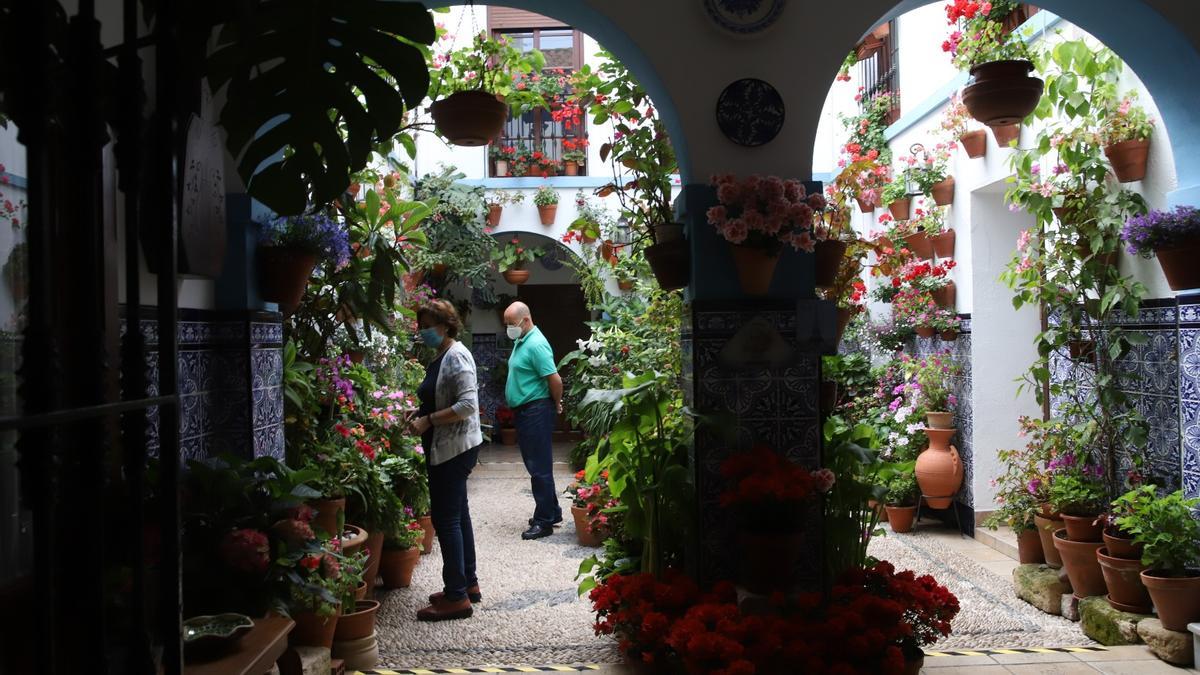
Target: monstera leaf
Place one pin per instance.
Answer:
(313, 85)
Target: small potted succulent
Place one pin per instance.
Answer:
(1169, 532)
(1171, 236)
(1125, 131)
(511, 259)
(546, 199)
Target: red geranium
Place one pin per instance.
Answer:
(505, 417)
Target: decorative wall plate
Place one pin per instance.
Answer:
(744, 17)
(750, 112)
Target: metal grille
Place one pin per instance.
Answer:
(880, 72)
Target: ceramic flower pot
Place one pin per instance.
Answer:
(943, 191)
(470, 118)
(1045, 529)
(974, 143)
(918, 243)
(1029, 548)
(755, 268)
(548, 213)
(939, 472)
(1126, 592)
(283, 273)
(426, 542)
(1176, 599)
(940, 420)
(396, 567)
(353, 538)
(1122, 547)
(330, 512)
(515, 277)
(1000, 93)
(1128, 159)
(313, 630)
(1005, 135)
(769, 560)
(625, 286)
(926, 331)
(359, 655)
(865, 205)
(357, 624)
(901, 209)
(945, 296)
(949, 335)
(671, 263)
(829, 260)
(501, 168)
(1079, 559)
(360, 591)
(494, 213)
(666, 232)
(943, 244)
(583, 533)
(508, 435)
(1179, 265)
(900, 517)
(571, 168)
(1083, 528)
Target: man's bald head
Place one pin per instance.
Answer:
(516, 313)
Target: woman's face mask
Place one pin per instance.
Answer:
(431, 337)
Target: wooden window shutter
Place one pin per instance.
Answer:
(504, 18)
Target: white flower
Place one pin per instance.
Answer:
(914, 428)
(597, 361)
(581, 342)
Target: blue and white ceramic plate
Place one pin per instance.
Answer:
(744, 17)
(750, 112)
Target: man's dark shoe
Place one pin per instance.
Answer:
(445, 610)
(473, 595)
(555, 523)
(537, 532)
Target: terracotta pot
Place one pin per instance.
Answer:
(943, 191)
(625, 285)
(360, 591)
(901, 209)
(1176, 599)
(571, 168)
(939, 419)
(949, 335)
(283, 273)
(1179, 265)
(755, 269)
(607, 251)
(1045, 528)
(1049, 512)
(918, 243)
(1128, 159)
(547, 213)
(939, 473)
(312, 630)
(470, 118)
(1006, 134)
(330, 512)
(357, 655)
(351, 545)
(1082, 528)
(501, 168)
(864, 205)
(828, 393)
(844, 314)
(1126, 592)
(508, 435)
(1079, 559)
(671, 263)
(1083, 248)
(1122, 547)
(515, 277)
(974, 143)
(494, 213)
(769, 560)
(943, 244)
(396, 567)
(1000, 93)
(427, 542)
(358, 624)
(829, 261)
(1081, 350)
(945, 296)
(901, 517)
(1029, 548)
(879, 510)
(584, 534)
(926, 331)
(665, 232)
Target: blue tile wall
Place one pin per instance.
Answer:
(1189, 393)
(489, 354)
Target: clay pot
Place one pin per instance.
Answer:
(755, 268)
(1126, 592)
(357, 655)
(828, 396)
(879, 510)
(1128, 159)
(943, 244)
(329, 514)
(945, 296)
(844, 314)
(1029, 548)
(671, 263)
(901, 517)
(901, 209)
(1079, 559)
(974, 143)
(357, 624)
(1002, 92)
(665, 232)
(918, 243)
(939, 472)
(360, 591)
(584, 534)
(940, 420)
(926, 331)
(396, 567)
(374, 553)
(864, 205)
(312, 630)
(283, 273)
(515, 277)
(508, 435)
(494, 212)
(1179, 265)
(548, 213)
(501, 168)
(1083, 528)
(352, 544)
(1176, 599)
(426, 542)
(1048, 511)
(1122, 547)
(625, 285)
(769, 560)
(1045, 529)
(829, 260)
(571, 168)
(470, 118)
(943, 192)
(949, 335)
(1006, 134)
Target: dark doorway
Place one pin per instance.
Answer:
(561, 313)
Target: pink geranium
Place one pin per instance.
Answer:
(765, 212)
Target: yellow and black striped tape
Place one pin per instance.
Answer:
(481, 669)
(1015, 650)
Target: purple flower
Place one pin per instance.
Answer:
(315, 232)
(1034, 486)
(1161, 229)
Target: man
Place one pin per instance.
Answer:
(534, 393)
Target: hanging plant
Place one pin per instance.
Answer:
(1001, 92)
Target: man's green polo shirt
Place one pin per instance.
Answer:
(532, 361)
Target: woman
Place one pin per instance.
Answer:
(448, 423)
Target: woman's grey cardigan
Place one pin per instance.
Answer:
(457, 388)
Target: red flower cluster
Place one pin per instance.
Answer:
(505, 417)
(763, 476)
(246, 550)
(966, 10)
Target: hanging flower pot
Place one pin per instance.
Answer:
(1083, 569)
(583, 530)
(926, 331)
(943, 192)
(426, 522)
(1006, 134)
(939, 470)
(949, 335)
(755, 268)
(671, 263)
(1126, 592)
(865, 205)
(396, 567)
(1179, 266)
(1082, 350)
(943, 244)
(945, 296)
(974, 143)
(900, 518)
(470, 118)
(1128, 159)
(548, 213)
(829, 260)
(625, 285)
(515, 277)
(1002, 92)
(667, 232)
(494, 213)
(1176, 599)
(918, 243)
(283, 273)
(1046, 526)
(1029, 548)
(901, 209)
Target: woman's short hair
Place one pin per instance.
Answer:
(442, 313)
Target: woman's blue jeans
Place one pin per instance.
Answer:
(452, 520)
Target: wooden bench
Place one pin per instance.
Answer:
(255, 653)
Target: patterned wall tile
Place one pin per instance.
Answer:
(266, 368)
(269, 441)
(268, 407)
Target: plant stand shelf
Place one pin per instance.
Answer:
(921, 505)
(254, 654)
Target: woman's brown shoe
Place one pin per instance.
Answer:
(445, 610)
(473, 595)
